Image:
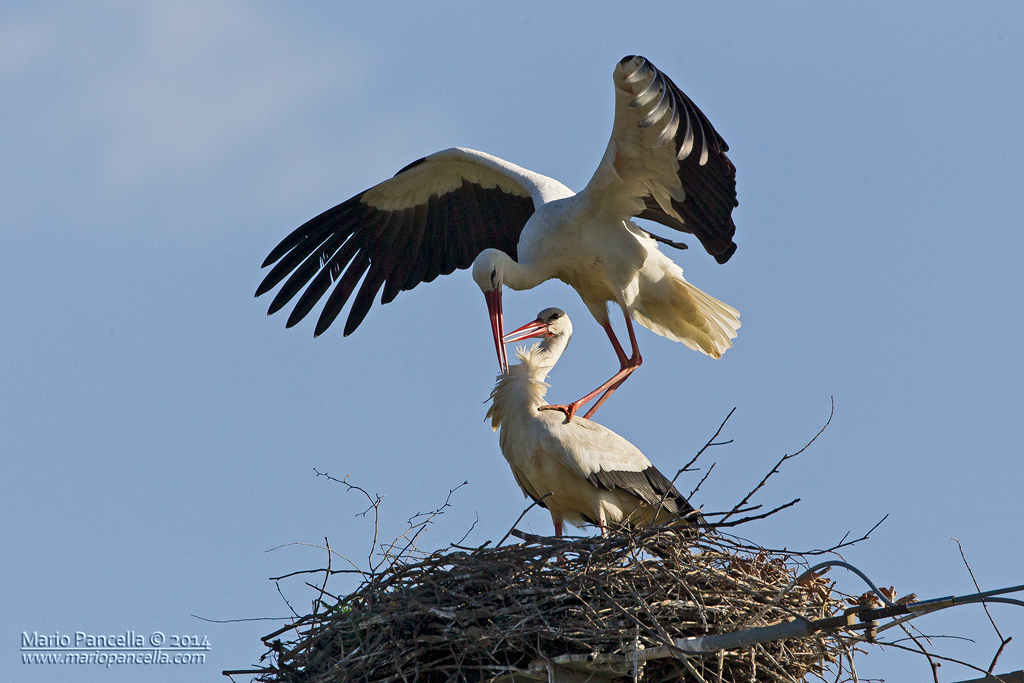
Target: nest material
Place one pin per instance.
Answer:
(484, 614)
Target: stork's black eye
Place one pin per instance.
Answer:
(555, 316)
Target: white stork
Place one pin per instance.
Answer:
(665, 162)
(592, 474)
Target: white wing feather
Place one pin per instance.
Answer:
(587, 447)
(445, 171)
(637, 161)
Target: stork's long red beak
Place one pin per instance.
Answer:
(534, 328)
(493, 299)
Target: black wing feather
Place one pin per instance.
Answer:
(710, 187)
(439, 224)
(302, 275)
(337, 298)
(329, 271)
(314, 229)
(414, 273)
(650, 486)
(413, 245)
(304, 242)
(474, 222)
(383, 256)
(396, 249)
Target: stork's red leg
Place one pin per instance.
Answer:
(607, 325)
(627, 366)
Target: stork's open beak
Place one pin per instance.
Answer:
(493, 299)
(534, 328)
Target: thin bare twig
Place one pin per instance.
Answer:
(1003, 642)
(784, 458)
(709, 444)
(931, 662)
(520, 518)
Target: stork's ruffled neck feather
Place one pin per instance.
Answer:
(523, 386)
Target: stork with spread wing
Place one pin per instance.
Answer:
(459, 207)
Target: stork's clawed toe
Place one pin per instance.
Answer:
(569, 410)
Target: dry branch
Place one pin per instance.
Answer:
(459, 615)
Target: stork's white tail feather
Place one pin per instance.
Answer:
(675, 309)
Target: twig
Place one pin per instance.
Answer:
(327, 575)
(784, 458)
(520, 518)
(702, 480)
(374, 502)
(723, 524)
(1003, 642)
(685, 468)
(278, 585)
(934, 665)
(468, 531)
(932, 655)
(236, 621)
(356, 567)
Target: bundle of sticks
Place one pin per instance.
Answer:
(493, 613)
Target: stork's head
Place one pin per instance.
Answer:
(488, 271)
(554, 328)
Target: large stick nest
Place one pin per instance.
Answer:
(463, 614)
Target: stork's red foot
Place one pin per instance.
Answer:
(569, 410)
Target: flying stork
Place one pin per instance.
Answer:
(459, 207)
(592, 474)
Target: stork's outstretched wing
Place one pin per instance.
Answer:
(435, 215)
(665, 162)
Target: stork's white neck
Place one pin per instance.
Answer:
(522, 389)
(517, 276)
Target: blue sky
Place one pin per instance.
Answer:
(159, 432)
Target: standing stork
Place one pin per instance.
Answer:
(592, 474)
(665, 162)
